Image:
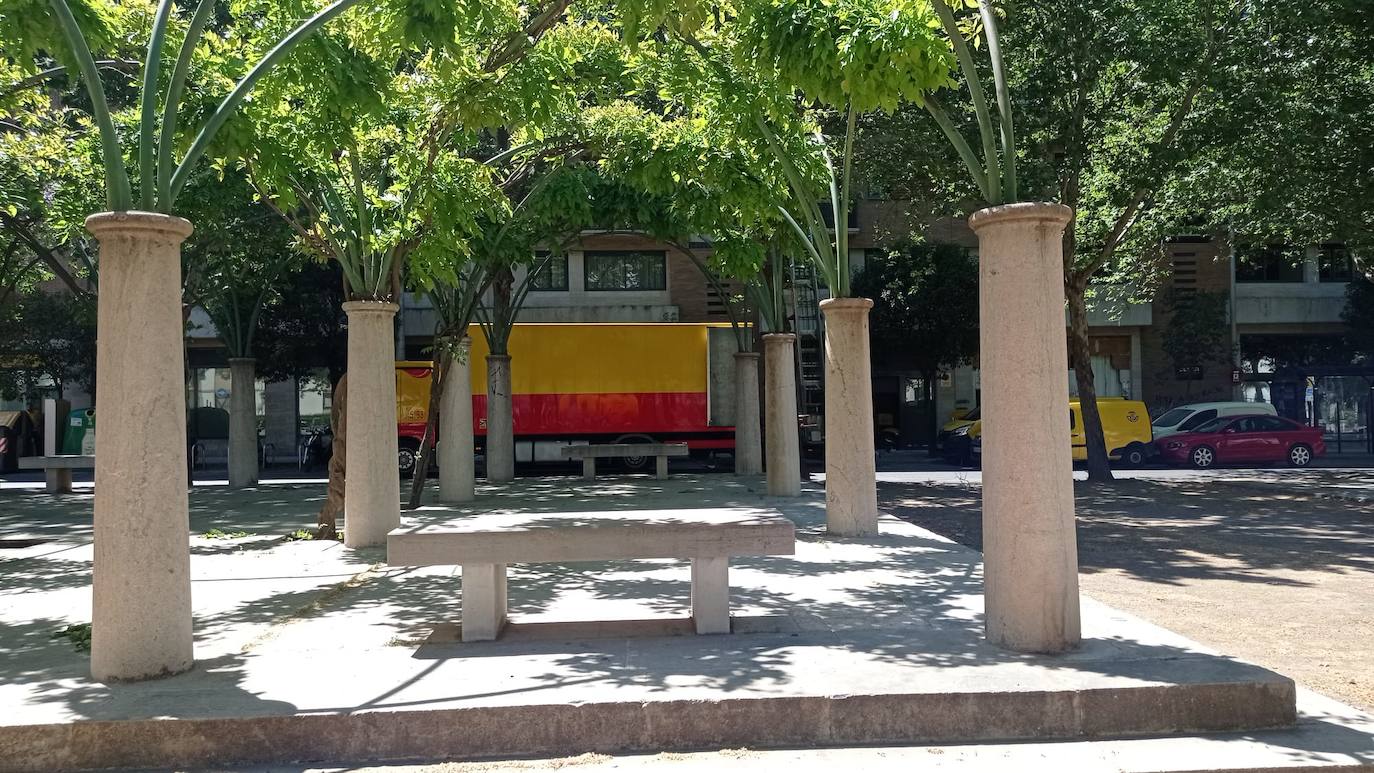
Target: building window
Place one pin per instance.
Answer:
(552, 275)
(1335, 264)
(626, 270)
(1269, 263)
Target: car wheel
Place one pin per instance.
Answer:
(406, 456)
(1134, 456)
(1300, 455)
(1203, 457)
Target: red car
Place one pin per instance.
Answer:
(1235, 439)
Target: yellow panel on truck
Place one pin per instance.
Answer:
(590, 381)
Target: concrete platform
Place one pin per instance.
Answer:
(307, 651)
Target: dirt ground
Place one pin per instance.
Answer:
(1283, 580)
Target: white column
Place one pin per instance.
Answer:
(484, 601)
(372, 502)
(243, 422)
(141, 599)
(500, 447)
(780, 414)
(748, 443)
(711, 594)
(456, 474)
(1030, 554)
(851, 485)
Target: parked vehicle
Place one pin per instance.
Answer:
(594, 383)
(1256, 438)
(1125, 429)
(1186, 418)
(953, 439)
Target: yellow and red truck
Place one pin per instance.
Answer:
(595, 383)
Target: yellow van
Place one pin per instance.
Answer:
(1125, 427)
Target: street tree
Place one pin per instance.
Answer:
(925, 311)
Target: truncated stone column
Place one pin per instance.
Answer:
(748, 443)
(456, 473)
(141, 599)
(780, 414)
(372, 505)
(500, 448)
(1030, 551)
(851, 488)
(243, 422)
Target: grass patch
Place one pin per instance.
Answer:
(79, 635)
(220, 534)
(306, 535)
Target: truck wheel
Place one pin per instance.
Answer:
(407, 454)
(635, 463)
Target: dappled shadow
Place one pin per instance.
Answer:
(1171, 531)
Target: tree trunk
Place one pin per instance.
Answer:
(500, 445)
(1099, 469)
(328, 520)
(932, 444)
(243, 423)
(438, 376)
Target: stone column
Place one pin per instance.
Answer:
(456, 474)
(748, 443)
(1030, 554)
(141, 596)
(372, 501)
(243, 423)
(851, 486)
(780, 414)
(281, 420)
(500, 447)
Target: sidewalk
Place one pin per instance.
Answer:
(311, 651)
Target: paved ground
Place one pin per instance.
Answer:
(271, 612)
(1266, 565)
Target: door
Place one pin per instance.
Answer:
(1271, 443)
(1240, 442)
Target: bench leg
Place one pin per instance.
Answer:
(711, 594)
(589, 468)
(484, 601)
(661, 467)
(58, 480)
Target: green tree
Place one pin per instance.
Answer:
(47, 337)
(1198, 332)
(925, 311)
(1358, 315)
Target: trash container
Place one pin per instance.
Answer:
(80, 434)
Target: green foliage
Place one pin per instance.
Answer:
(863, 55)
(49, 335)
(79, 634)
(925, 306)
(1198, 331)
(221, 534)
(1358, 316)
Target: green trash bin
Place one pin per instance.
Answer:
(80, 435)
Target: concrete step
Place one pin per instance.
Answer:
(1328, 737)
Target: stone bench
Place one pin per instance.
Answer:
(484, 544)
(57, 470)
(589, 454)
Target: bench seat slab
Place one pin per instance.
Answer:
(597, 537)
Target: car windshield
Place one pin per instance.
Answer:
(1173, 418)
(1214, 425)
(971, 415)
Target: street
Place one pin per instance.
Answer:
(1273, 566)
